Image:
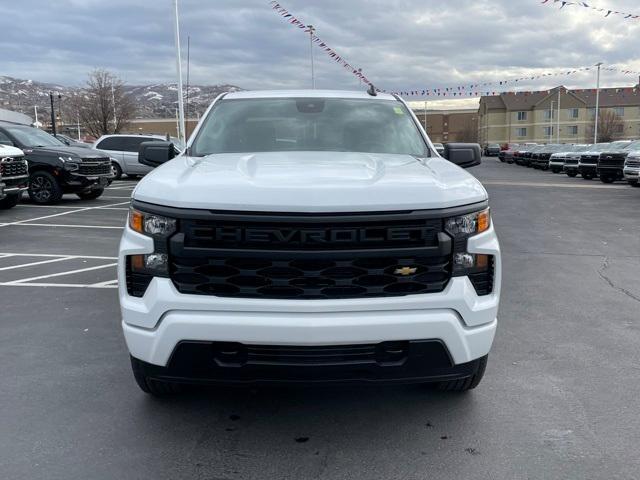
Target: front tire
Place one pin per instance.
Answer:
(116, 170)
(9, 202)
(572, 174)
(91, 194)
(150, 386)
(555, 170)
(465, 384)
(44, 189)
(607, 179)
(588, 176)
(634, 183)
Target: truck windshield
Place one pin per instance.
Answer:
(309, 124)
(32, 137)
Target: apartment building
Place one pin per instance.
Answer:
(533, 116)
(444, 126)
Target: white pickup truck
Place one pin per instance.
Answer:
(309, 236)
(14, 176)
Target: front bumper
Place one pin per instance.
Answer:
(163, 318)
(631, 173)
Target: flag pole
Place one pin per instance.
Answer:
(181, 133)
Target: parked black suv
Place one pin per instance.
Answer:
(55, 168)
(540, 158)
(611, 162)
(588, 165)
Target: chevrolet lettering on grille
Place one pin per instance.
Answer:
(319, 236)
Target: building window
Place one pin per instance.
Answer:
(522, 116)
(574, 113)
(619, 111)
(521, 132)
(572, 130)
(548, 131)
(549, 114)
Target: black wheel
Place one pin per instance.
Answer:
(634, 183)
(151, 386)
(572, 174)
(555, 170)
(44, 188)
(116, 170)
(465, 384)
(9, 202)
(588, 176)
(607, 179)
(91, 194)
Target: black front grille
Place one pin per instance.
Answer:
(13, 167)
(325, 276)
(94, 169)
(300, 257)
(632, 163)
(611, 160)
(591, 159)
(571, 161)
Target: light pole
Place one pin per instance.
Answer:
(595, 128)
(53, 115)
(558, 119)
(181, 132)
(311, 31)
(425, 117)
(551, 122)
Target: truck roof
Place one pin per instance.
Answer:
(308, 94)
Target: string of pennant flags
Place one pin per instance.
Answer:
(607, 11)
(457, 91)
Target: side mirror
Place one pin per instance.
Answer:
(464, 155)
(154, 154)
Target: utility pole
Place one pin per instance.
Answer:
(187, 100)
(181, 132)
(79, 125)
(113, 101)
(35, 109)
(425, 116)
(311, 32)
(595, 129)
(558, 119)
(551, 122)
(53, 114)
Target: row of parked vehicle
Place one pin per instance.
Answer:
(47, 166)
(611, 161)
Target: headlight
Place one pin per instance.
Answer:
(478, 267)
(469, 224)
(71, 164)
(151, 224)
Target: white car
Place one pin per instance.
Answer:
(123, 150)
(632, 169)
(309, 236)
(14, 176)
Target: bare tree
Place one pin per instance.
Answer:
(610, 126)
(103, 105)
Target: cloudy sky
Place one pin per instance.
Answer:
(399, 44)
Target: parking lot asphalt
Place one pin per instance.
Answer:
(559, 399)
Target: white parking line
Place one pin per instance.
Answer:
(61, 207)
(41, 262)
(60, 214)
(554, 185)
(65, 285)
(53, 255)
(42, 277)
(105, 284)
(110, 196)
(61, 225)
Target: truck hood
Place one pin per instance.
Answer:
(7, 151)
(63, 151)
(309, 182)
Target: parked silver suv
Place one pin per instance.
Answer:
(123, 150)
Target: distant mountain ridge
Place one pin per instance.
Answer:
(157, 100)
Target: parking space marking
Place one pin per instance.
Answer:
(105, 284)
(554, 185)
(65, 285)
(59, 274)
(62, 225)
(83, 209)
(110, 196)
(41, 262)
(53, 255)
(62, 207)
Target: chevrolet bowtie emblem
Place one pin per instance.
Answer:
(404, 271)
